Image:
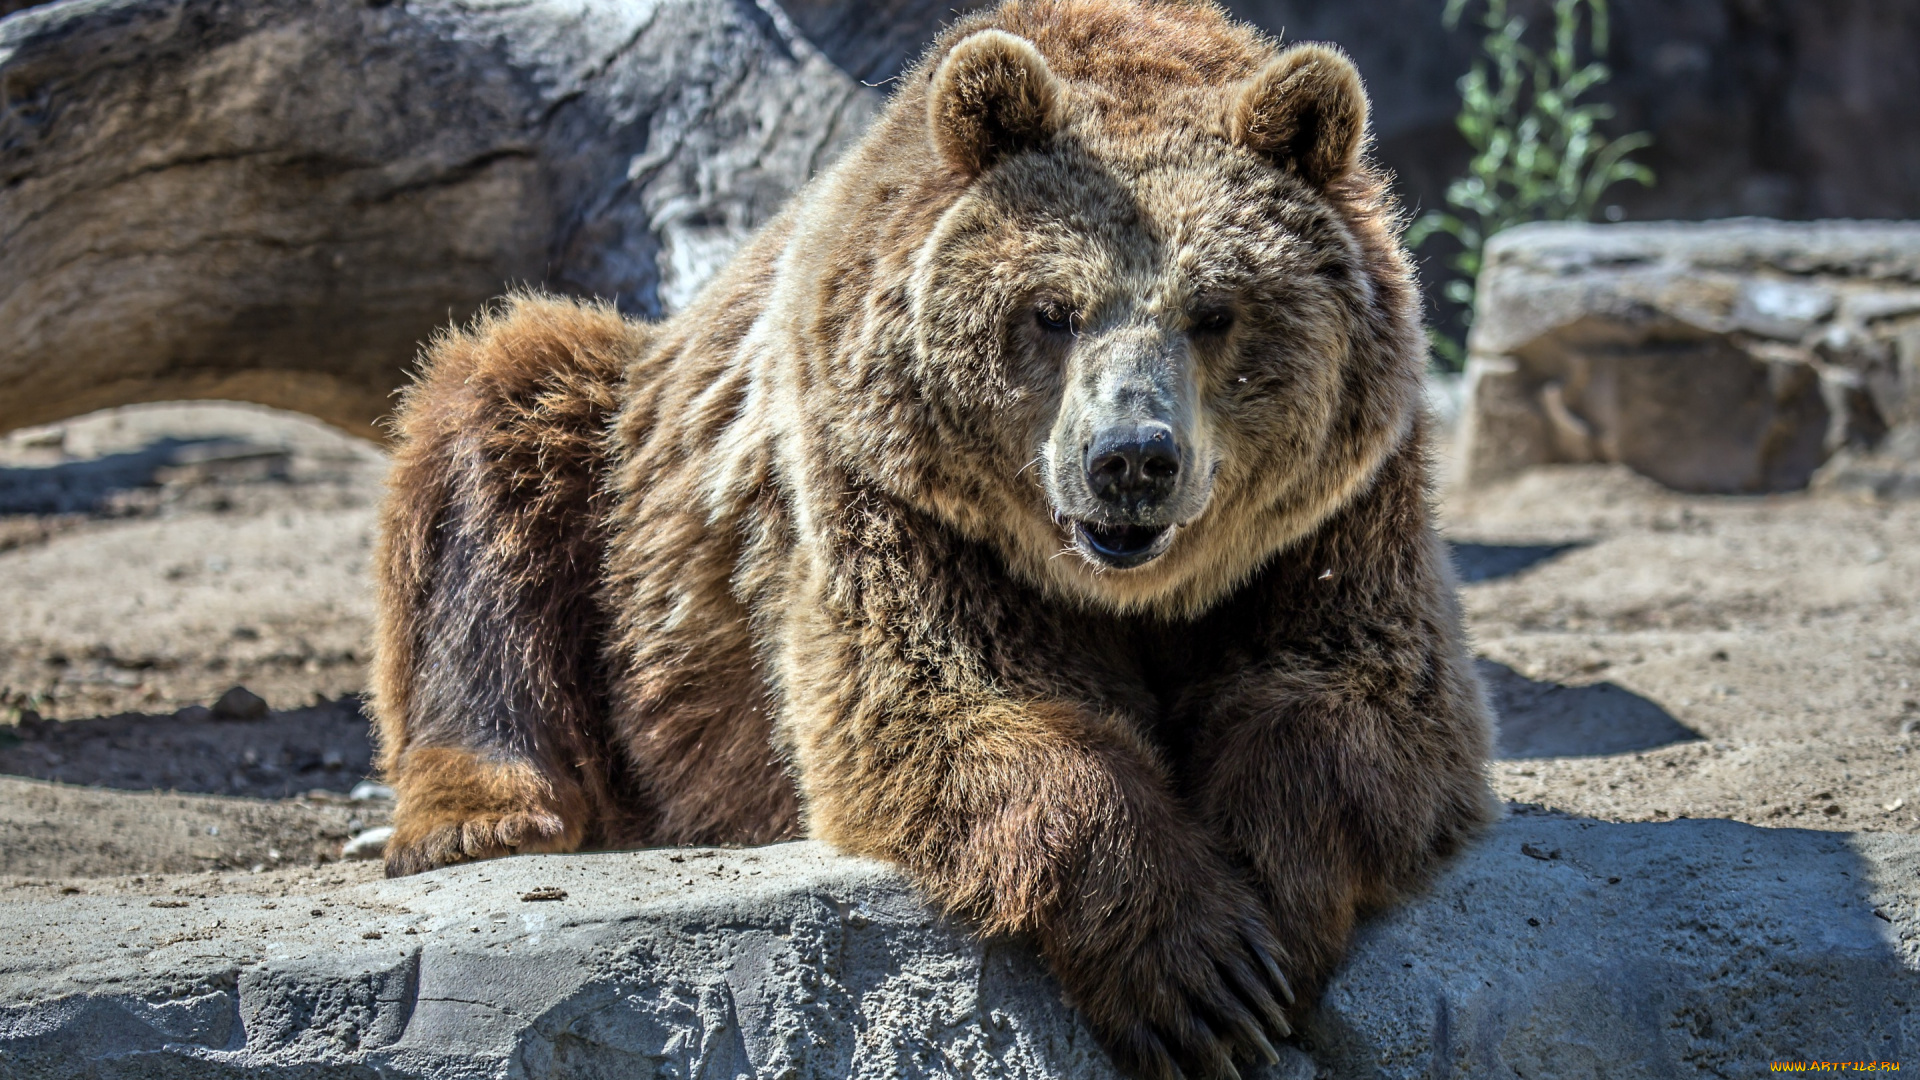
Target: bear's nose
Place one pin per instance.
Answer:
(1134, 465)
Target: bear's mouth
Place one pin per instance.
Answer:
(1121, 546)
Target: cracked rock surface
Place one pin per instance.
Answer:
(1556, 947)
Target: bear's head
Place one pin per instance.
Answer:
(1135, 307)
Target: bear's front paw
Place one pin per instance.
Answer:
(454, 807)
(1184, 995)
(418, 848)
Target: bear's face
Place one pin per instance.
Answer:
(1171, 354)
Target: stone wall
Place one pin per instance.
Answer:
(1736, 356)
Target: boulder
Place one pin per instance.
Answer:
(1555, 947)
(276, 201)
(1735, 356)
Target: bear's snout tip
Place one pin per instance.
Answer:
(1133, 467)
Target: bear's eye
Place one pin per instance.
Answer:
(1211, 321)
(1053, 317)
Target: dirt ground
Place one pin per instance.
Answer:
(1779, 632)
(1653, 655)
(151, 559)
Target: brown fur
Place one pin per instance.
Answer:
(801, 557)
(492, 714)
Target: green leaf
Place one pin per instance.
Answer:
(1537, 152)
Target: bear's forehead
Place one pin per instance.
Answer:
(1158, 263)
(1190, 197)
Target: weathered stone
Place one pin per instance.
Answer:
(275, 201)
(1556, 947)
(1715, 357)
(1888, 471)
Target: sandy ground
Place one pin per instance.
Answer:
(151, 559)
(1653, 655)
(1780, 631)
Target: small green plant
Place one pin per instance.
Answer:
(1536, 153)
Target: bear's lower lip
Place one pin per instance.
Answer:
(1121, 546)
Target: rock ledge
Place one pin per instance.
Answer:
(1558, 947)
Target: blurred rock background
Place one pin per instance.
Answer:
(1791, 109)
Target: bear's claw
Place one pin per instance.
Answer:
(1252, 935)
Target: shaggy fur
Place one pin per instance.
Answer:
(804, 557)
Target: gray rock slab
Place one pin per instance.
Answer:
(1555, 948)
(1724, 357)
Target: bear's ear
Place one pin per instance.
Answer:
(992, 96)
(1307, 111)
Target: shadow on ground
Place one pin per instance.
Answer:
(1543, 719)
(1476, 563)
(323, 747)
(89, 486)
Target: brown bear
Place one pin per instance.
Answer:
(1039, 503)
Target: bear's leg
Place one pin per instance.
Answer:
(1020, 810)
(487, 684)
(691, 712)
(1350, 756)
(1337, 804)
